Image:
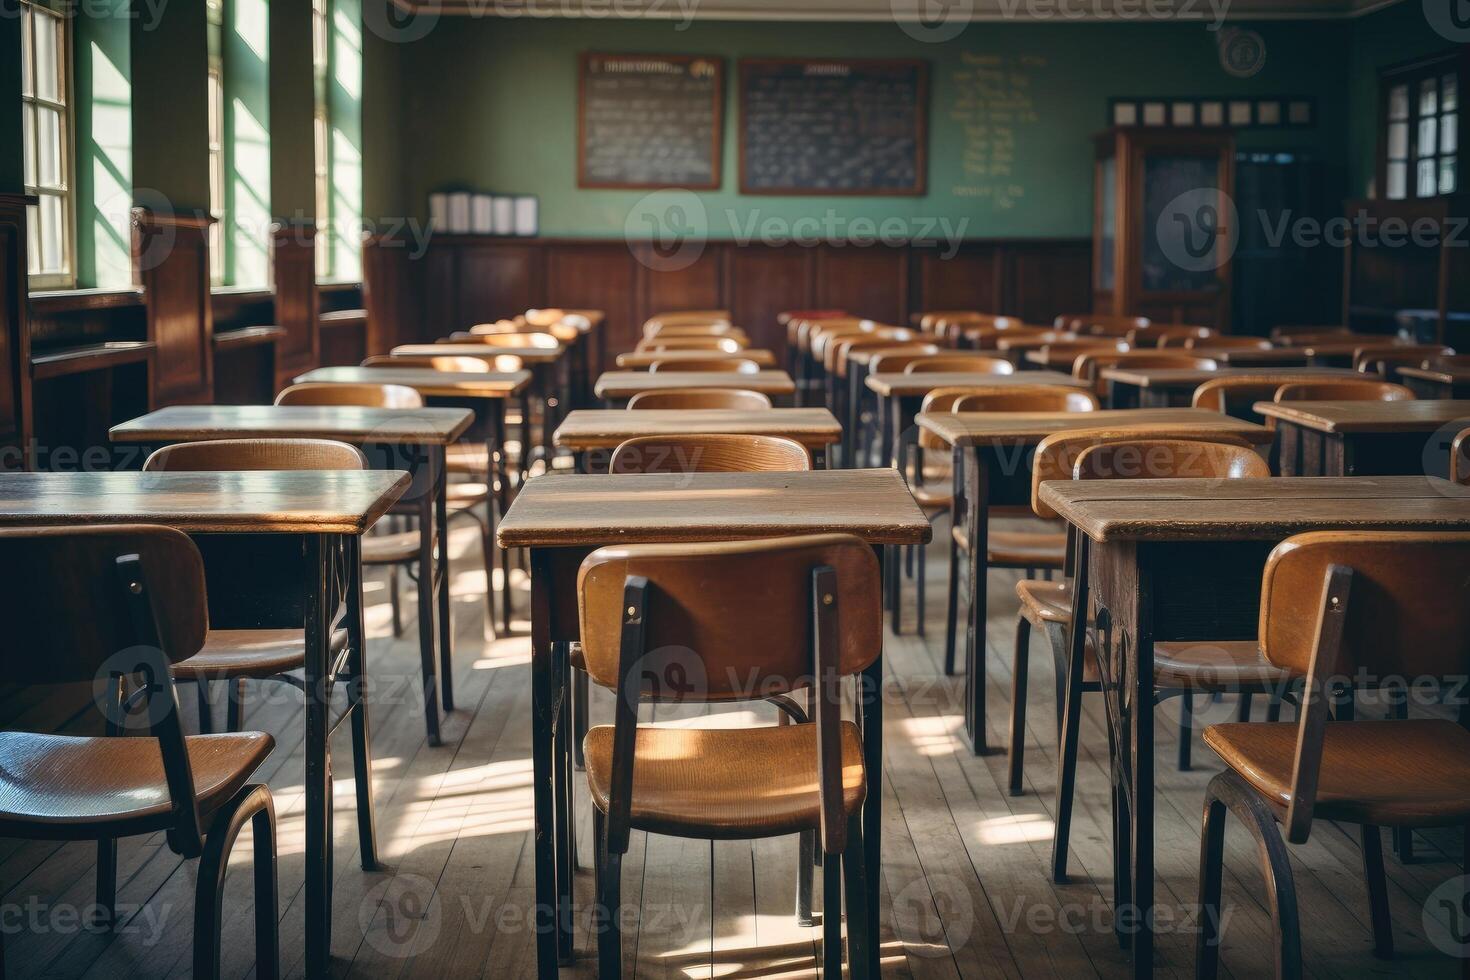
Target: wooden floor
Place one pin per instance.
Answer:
(965, 886)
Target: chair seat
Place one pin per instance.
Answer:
(249, 653)
(1214, 665)
(1021, 549)
(53, 784)
(725, 783)
(1045, 602)
(458, 496)
(929, 498)
(390, 549)
(1402, 773)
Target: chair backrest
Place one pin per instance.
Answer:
(1160, 334)
(976, 363)
(564, 332)
(538, 341)
(1071, 351)
(545, 317)
(1289, 333)
(451, 362)
(1460, 458)
(892, 360)
(727, 345)
(738, 399)
(1237, 393)
(1089, 365)
(834, 357)
(1027, 398)
(671, 330)
(1188, 450)
(730, 365)
(365, 395)
(1154, 458)
(1379, 360)
(942, 400)
(256, 454)
(672, 317)
(709, 454)
(1342, 389)
(1218, 342)
(1108, 325)
(729, 620)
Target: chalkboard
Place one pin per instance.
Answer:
(649, 121)
(833, 126)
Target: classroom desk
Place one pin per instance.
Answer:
(412, 440)
(1174, 387)
(1284, 357)
(619, 386)
(859, 365)
(642, 360)
(592, 434)
(1437, 382)
(564, 517)
(993, 452)
(1362, 438)
(1182, 559)
(281, 549)
(485, 394)
(1062, 360)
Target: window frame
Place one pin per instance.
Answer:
(218, 173)
(66, 162)
(324, 240)
(1412, 76)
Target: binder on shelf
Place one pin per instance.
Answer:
(504, 215)
(459, 213)
(482, 220)
(439, 211)
(526, 215)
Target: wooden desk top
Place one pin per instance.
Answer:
(530, 355)
(347, 423)
(606, 428)
(1459, 375)
(1193, 377)
(293, 501)
(1010, 428)
(638, 360)
(427, 381)
(1245, 357)
(626, 384)
(889, 383)
(571, 510)
(1421, 415)
(1261, 509)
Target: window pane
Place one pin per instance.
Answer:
(1428, 97)
(1446, 175)
(1425, 146)
(1428, 182)
(33, 239)
(1449, 92)
(48, 147)
(1449, 133)
(48, 47)
(25, 52)
(215, 123)
(1398, 102)
(1398, 181)
(216, 183)
(29, 115)
(52, 253)
(1398, 141)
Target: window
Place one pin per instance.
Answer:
(216, 137)
(321, 133)
(47, 128)
(1421, 132)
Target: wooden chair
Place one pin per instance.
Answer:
(1236, 394)
(1044, 549)
(1340, 389)
(739, 365)
(1460, 458)
(750, 619)
(735, 399)
(724, 345)
(672, 330)
(1291, 334)
(708, 454)
(1104, 324)
(1181, 669)
(1076, 348)
(146, 611)
(678, 317)
(467, 456)
(1219, 342)
(1337, 606)
(977, 363)
(532, 340)
(1163, 334)
(402, 548)
(1384, 361)
(1089, 365)
(893, 360)
(564, 332)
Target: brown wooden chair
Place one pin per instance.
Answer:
(1340, 389)
(679, 317)
(734, 399)
(893, 360)
(675, 330)
(1219, 342)
(564, 332)
(1089, 365)
(1237, 394)
(529, 340)
(1337, 606)
(1063, 354)
(364, 395)
(717, 365)
(146, 612)
(722, 345)
(708, 454)
(1045, 549)
(1460, 458)
(1290, 334)
(1086, 322)
(978, 363)
(1167, 334)
(1180, 669)
(467, 456)
(1381, 360)
(750, 620)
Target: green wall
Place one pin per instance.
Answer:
(103, 92)
(491, 105)
(170, 69)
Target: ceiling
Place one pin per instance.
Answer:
(928, 11)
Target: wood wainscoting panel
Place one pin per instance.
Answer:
(870, 281)
(687, 276)
(596, 276)
(390, 293)
(293, 258)
(1044, 278)
(766, 280)
(494, 277)
(967, 277)
(171, 256)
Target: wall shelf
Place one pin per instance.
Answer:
(89, 357)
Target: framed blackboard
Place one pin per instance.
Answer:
(649, 121)
(836, 126)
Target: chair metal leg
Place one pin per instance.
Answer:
(1186, 728)
(206, 712)
(106, 882)
(919, 589)
(832, 918)
(609, 906)
(581, 692)
(1019, 676)
(1211, 872)
(1377, 883)
(805, 873)
(862, 945)
(1243, 707)
(1067, 753)
(252, 803)
(394, 602)
(234, 704)
(953, 607)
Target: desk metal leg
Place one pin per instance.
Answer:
(362, 757)
(441, 576)
(871, 695)
(977, 492)
(1140, 690)
(543, 714)
(320, 607)
(501, 498)
(427, 521)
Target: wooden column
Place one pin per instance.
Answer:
(293, 259)
(171, 256)
(16, 424)
(389, 293)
